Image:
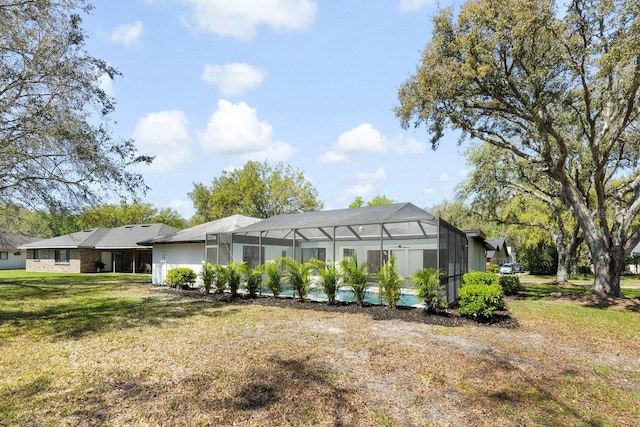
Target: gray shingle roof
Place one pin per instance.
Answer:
(399, 220)
(10, 240)
(198, 233)
(128, 236)
(103, 238)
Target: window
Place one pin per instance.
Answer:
(212, 255)
(373, 258)
(62, 255)
(4, 255)
(314, 253)
(251, 255)
(348, 253)
(430, 258)
(36, 254)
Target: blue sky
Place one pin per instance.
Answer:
(210, 84)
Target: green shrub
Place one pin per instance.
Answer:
(584, 269)
(479, 278)
(208, 276)
(329, 280)
(509, 284)
(390, 282)
(274, 277)
(427, 282)
(493, 268)
(181, 277)
(254, 280)
(480, 301)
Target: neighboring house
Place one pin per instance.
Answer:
(97, 249)
(12, 258)
(500, 254)
(478, 248)
(194, 246)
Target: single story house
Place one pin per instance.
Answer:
(194, 246)
(500, 254)
(97, 249)
(12, 258)
(416, 238)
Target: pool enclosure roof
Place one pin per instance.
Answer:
(395, 221)
(198, 234)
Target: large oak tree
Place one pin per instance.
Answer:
(56, 148)
(556, 87)
(258, 189)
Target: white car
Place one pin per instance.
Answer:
(506, 269)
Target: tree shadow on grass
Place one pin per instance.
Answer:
(532, 398)
(78, 311)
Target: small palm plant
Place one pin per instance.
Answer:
(355, 276)
(230, 276)
(427, 281)
(274, 274)
(390, 282)
(221, 278)
(297, 274)
(253, 277)
(329, 281)
(208, 276)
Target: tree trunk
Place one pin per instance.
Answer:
(608, 264)
(564, 262)
(562, 274)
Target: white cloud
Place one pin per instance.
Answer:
(414, 5)
(430, 190)
(367, 139)
(183, 207)
(364, 184)
(234, 130)
(127, 34)
(106, 84)
(445, 177)
(364, 138)
(333, 157)
(233, 78)
(241, 18)
(379, 175)
(165, 135)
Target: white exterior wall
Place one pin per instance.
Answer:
(166, 257)
(13, 261)
(477, 256)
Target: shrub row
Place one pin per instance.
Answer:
(349, 273)
(481, 293)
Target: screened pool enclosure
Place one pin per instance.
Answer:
(414, 237)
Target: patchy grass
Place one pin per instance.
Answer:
(540, 289)
(103, 350)
(627, 280)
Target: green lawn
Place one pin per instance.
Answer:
(105, 349)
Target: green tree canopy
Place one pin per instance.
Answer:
(378, 200)
(56, 148)
(510, 191)
(258, 189)
(558, 89)
(128, 213)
